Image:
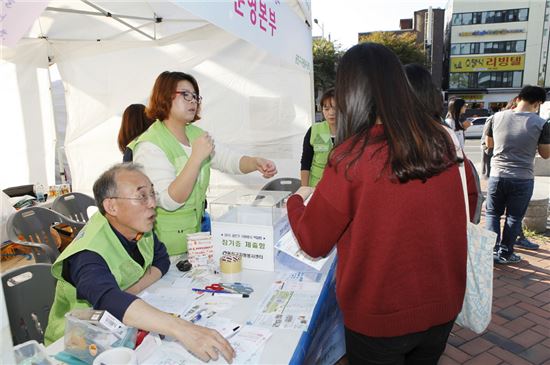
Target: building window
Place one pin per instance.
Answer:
(485, 80)
(523, 15)
(488, 17)
(488, 47)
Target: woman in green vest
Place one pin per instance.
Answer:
(134, 123)
(177, 156)
(318, 142)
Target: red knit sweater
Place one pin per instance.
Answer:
(401, 247)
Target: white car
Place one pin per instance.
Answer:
(476, 129)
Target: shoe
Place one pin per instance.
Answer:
(526, 244)
(503, 260)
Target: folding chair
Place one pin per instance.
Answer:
(29, 293)
(74, 206)
(33, 224)
(283, 184)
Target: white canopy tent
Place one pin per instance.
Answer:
(256, 83)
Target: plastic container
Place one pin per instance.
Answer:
(40, 192)
(31, 353)
(85, 341)
(248, 223)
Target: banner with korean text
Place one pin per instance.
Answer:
(270, 25)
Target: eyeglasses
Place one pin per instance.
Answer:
(143, 199)
(189, 96)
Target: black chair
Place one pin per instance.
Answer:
(33, 224)
(29, 293)
(74, 206)
(283, 184)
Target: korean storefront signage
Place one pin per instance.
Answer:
(488, 63)
(477, 33)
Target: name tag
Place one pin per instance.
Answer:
(321, 148)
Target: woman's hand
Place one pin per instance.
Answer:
(466, 124)
(202, 147)
(304, 191)
(202, 342)
(266, 167)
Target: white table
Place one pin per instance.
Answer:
(285, 345)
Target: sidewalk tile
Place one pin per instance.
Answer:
(508, 356)
(503, 342)
(484, 359)
(528, 338)
(476, 346)
(536, 354)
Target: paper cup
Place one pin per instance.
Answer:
(117, 356)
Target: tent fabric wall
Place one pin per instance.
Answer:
(247, 104)
(27, 128)
(253, 101)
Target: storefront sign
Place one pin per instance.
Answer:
(477, 33)
(488, 63)
(470, 97)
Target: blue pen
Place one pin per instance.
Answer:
(209, 290)
(196, 318)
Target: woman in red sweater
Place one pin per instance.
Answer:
(391, 201)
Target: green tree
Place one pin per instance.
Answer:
(325, 60)
(404, 45)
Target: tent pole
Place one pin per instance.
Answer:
(97, 13)
(107, 14)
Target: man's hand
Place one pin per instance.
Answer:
(204, 343)
(266, 167)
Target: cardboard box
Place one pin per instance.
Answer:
(249, 223)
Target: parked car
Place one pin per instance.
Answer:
(476, 129)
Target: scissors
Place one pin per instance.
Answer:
(215, 287)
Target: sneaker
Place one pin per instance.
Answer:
(503, 260)
(526, 244)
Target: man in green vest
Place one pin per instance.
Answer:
(116, 256)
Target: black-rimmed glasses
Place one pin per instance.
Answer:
(143, 199)
(189, 96)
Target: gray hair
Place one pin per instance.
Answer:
(106, 187)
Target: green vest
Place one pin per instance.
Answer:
(96, 236)
(132, 144)
(172, 227)
(322, 144)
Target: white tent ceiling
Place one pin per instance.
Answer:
(256, 98)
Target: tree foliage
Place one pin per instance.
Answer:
(403, 45)
(325, 60)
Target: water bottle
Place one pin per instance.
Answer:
(40, 192)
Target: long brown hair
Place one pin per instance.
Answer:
(371, 84)
(162, 95)
(134, 123)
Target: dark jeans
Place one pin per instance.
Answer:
(511, 196)
(422, 348)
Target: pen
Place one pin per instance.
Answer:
(196, 318)
(234, 330)
(227, 294)
(209, 291)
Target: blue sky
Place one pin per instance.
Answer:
(343, 19)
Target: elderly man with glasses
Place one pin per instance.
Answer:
(116, 256)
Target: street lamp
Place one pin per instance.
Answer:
(322, 26)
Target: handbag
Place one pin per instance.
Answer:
(478, 298)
